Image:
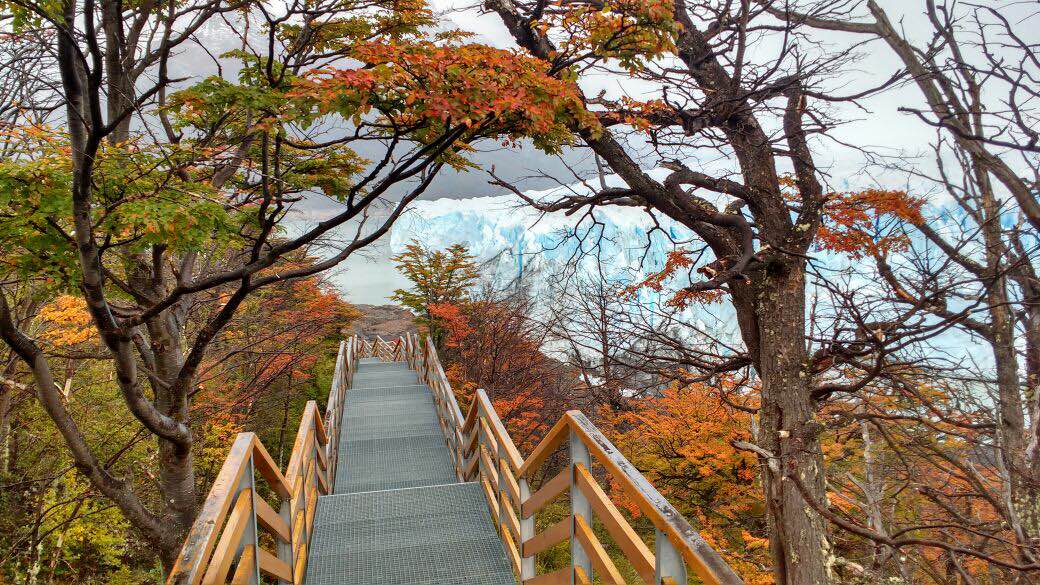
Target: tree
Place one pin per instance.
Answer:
(973, 265)
(682, 441)
(716, 95)
(144, 200)
(492, 342)
(274, 355)
(439, 277)
(587, 318)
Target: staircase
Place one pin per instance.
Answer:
(398, 514)
(393, 485)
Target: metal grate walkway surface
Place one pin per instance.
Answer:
(397, 514)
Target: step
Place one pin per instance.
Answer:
(376, 379)
(369, 367)
(432, 535)
(384, 464)
(391, 439)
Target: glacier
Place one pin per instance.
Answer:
(516, 243)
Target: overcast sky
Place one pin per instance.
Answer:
(878, 125)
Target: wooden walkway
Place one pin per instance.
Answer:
(393, 485)
(398, 515)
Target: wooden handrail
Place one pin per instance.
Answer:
(484, 452)
(226, 536)
(483, 409)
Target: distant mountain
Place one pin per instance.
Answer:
(386, 321)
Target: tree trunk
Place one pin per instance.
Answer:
(176, 462)
(787, 429)
(177, 480)
(6, 406)
(1011, 424)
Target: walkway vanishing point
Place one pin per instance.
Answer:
(394, 486)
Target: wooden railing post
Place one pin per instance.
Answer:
(580, 506)
(669, 562)
(426, 359)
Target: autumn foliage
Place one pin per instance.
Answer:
(868, 222)
(492, 344)
(682, 441)
(433, 88)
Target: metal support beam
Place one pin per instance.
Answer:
(285, 548)
(669, 561)
(527, 565)
(579, 505)
(251, 534)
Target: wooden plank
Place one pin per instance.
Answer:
(319, 425)
(300, 568)
(440, 377)
(471, 441)
(557, 435)
(489, 438)
(298, 529)
(298, 493)
(580, 577)
(308, 485)
(230, 539)
(499, 430)
(514, 555)
(549, 491)
(601, 562)
(561, 577)
(322, 458)
(274, 566)
(489, 467)
(512, 488)
(471, 418)
(301, 444)
(336, 391)
(246, 563)
(458, 441)
(626, 538)
(192, 560)
(312, 504)
(268, 469)
(471, 468)
(703, 560)
(510, 517)
(490, 495)
(547, 538)
(269, 519)
(323, 483)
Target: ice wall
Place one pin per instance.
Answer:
(514, 240)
